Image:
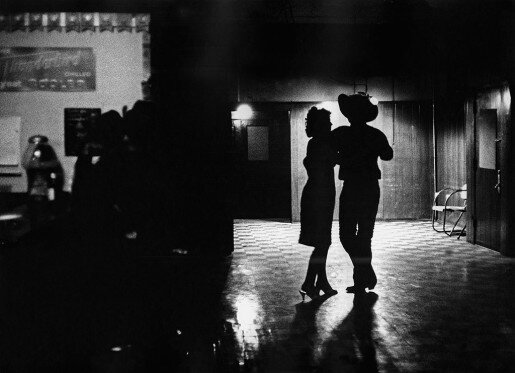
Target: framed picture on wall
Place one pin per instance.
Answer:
(80, 127)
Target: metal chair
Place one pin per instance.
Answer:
(448, 208)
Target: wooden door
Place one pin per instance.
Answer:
(487, 178)
(263, 170)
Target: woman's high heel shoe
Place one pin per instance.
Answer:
(311, 292)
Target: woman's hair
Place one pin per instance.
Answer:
(318, 120)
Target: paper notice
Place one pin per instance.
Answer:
(10, 141)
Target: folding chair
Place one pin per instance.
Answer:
(448, 208)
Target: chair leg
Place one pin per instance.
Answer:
(434, 217)
(463, 230)
(455, 224)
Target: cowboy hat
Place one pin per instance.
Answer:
(358, 107)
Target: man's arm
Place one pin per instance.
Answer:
(386, 151)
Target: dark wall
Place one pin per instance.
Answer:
(191, 87)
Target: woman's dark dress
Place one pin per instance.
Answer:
(318, 195)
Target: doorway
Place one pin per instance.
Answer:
(487, 116)
(262, 160)
(487, 177)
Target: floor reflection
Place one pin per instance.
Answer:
(352, 346)
(441, 305)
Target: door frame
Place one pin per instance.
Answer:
(263, 111)
(473, 104)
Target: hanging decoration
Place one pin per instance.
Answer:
(54, 22)
(35, 21)
(87, 22)
(73, 22)
(4, 22)
(142, 22)
(18, 22)
(124, 22)
(106, 22)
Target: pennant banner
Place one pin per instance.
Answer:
(87, 22)
(106, 22)
(4, 22)
(18, 22)
(35, 21)
(75, 21)
(124, 22)
(54, 22)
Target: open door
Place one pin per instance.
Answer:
(488, 178)
(263, 170)
(488, 159)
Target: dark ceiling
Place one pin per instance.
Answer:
(325, 11)
(370, 36)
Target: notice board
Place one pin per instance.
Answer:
(47, 69)
(10, 141)
(257, 140)
(80, 126)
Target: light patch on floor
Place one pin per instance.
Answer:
(441, 304)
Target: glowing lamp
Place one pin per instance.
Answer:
(244, 111)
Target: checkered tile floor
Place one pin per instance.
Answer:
(441, 305)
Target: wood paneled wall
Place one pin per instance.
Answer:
(407, 180)
(451, 162)
(450, 145)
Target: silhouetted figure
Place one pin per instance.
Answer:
(317, 202)
(358, 148)
(92, 199)
(129, 165)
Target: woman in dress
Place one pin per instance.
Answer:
(317, 202)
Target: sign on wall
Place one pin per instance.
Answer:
(47, 69)
(80, 127)
(10, 141)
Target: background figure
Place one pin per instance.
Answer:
(92, 204)
(317, 202)
(130, 166)
(358, 148)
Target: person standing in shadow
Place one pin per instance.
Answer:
(358, 148)
(317, 202)
(91, 198)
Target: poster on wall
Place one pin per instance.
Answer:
(47, 69)
(80, 127)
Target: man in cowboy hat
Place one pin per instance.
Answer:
(359, 145)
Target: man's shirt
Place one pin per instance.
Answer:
(358, 148)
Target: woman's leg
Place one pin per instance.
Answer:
(319, 258)
(312, 271)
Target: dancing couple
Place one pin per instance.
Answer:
(355, 149)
